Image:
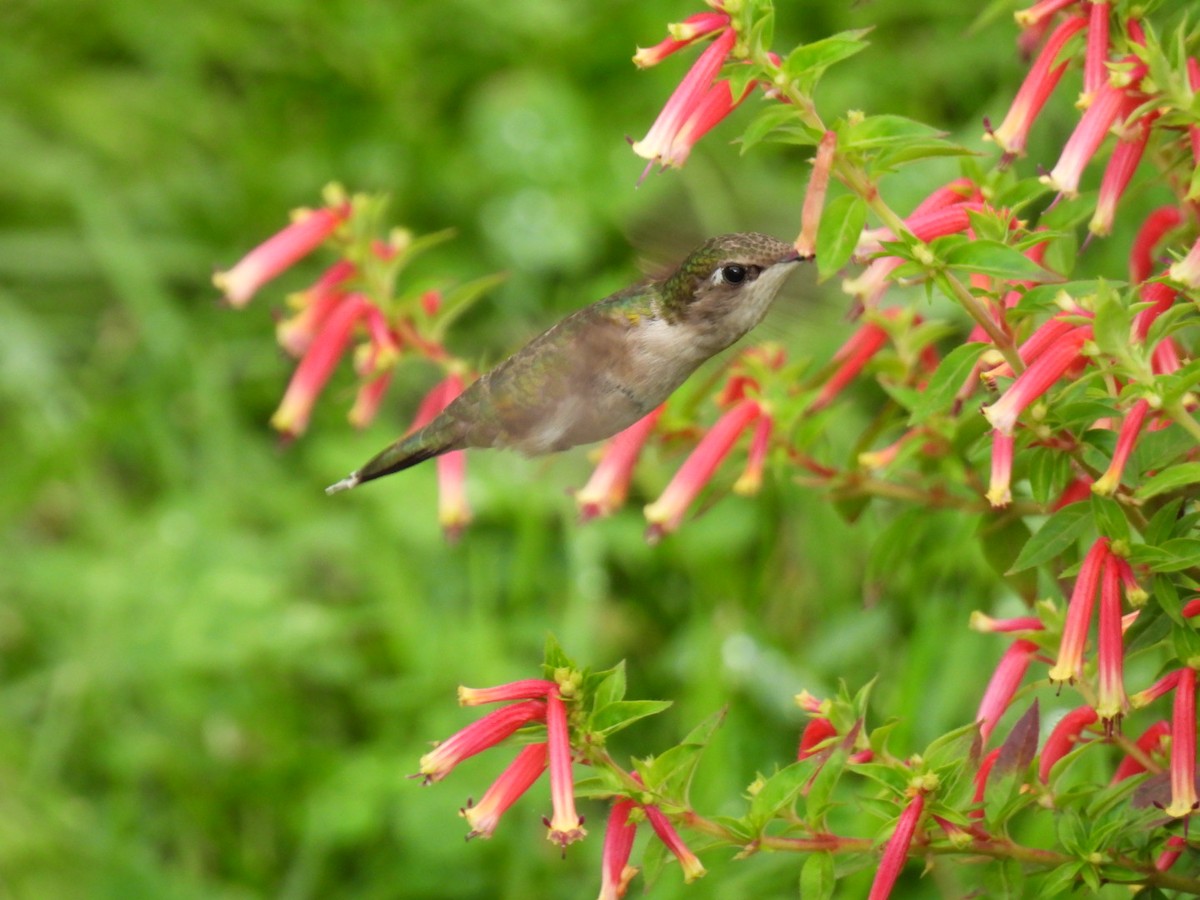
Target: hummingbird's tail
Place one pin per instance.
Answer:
(419, 446)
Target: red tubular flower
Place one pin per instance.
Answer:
(1141, 254)
(1039, 84)
(314, 370)
(850, 358)
(1131, 427)
(479, 736)
(1148, 743)
(1003, 685)
(566, 826)
(484, 816)
(1174, 849)
(658, 143)
(683, 34)
(814, 195)
(960, 190)
(278, 253)
(688, 861)
(666, 513)
(815, 732)
(1134, 592)
(981, 777)
(1040, 12)
(1078, 489)
(1117, 174)
(615, 871)
(1079, 614)
(1095, 63)
(1164, 685)
(1183, 746)
(1161, 297)
(999, 493)
(714, 106)
(895, 854)
(1109, 104)
(1110, 650)
(368, 398)
(750, 481)
(986, 624)
(607, 488)
(314, 305)
(526, 689)
(1063, 738)
(1187, 270)
(1037, 379)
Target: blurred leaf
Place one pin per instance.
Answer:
(818, 877)
(1170, 479)
(946, 381)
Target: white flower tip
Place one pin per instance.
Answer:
(350, 481)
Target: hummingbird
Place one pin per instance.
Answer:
(604, 367)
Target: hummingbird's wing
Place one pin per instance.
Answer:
(573, 384)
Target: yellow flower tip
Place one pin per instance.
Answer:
(1061, 674)
(999, 497)
(1105, 485)
(749, 484)
(979, 621)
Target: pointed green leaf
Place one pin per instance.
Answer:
(1058, 533)
(818, 877)
(1168, 480)
(837, 235)
(946, 382)
(996, 259)
(615, 716)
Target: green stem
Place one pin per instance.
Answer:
(976, 311)
(1177, 412)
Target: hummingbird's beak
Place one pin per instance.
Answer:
(794, 256)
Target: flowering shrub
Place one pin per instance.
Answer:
(1063, 417)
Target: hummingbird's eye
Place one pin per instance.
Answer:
(733, 274)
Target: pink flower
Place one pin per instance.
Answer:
(1161, 297)
(1147, 743)
(615, 871)
(1095, 63)
(981, 777)
(454, 512)
(1187, 270)
(1131, 427)
(607, 488)
(368, 398)
(1193, 70)
(1063, 738)
(895, 854)
(519, 777)
(314, 370)
(683, 34)
(666, 513)
(1040, 12)
(1079, 614)
(849, 360)
(688, 861)
(1183, 746)
(750, 481)
(999, 493)
(815, 733)
(984, 623)
(308, 231)
(953, 192)
(658, 144)
(1164, 685)
(1110, 104)
(526, 689)
(1174, 849)
(1110, 650)
(1154, 228)
(566, 826)
(479, 736)
(1039, 84)
(315, 304)
(1037, 379)
(1003, 685)
(1121, 165)
(714, 106)
(814, 196)
(1079, 489)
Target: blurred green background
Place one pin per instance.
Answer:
(214, 680)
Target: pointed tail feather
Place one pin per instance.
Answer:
(404, 453)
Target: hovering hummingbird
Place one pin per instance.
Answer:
(602, 368)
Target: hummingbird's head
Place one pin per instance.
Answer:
(726, 285)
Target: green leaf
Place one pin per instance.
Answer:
(996, 259)
(818, 877)
(1169, 479)
(1112, 322)
(1110, 518)
(1162, 525)
(778, 792)
(1001, 540)
(881, 132)
(1174, 555)
(612, 688)
(615, 716)
(1049, 472)
(1058, 533)
(949, 377)
(779, 123)
(837, 235)
(807, 62)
